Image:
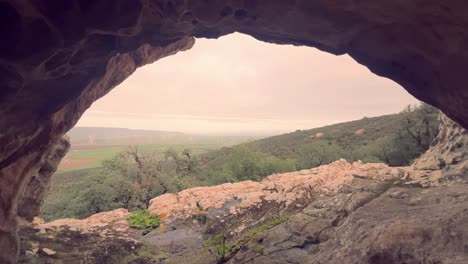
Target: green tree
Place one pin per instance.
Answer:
(418, 128)
(318, 153)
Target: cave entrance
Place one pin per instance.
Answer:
(57, 58)
(218, 94)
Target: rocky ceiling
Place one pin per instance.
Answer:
(57, 57)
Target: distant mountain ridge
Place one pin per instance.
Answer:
(116, 136)
(112, 136)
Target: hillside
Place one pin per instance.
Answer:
(347, 135)
(290, 145)
(395, 139)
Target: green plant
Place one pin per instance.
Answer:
(268, 225)
(221, 247)
(144, 220)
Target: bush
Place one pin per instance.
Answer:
(144, 220)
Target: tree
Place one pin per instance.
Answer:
(418, 127)
(318, 153)
(421, 124)
(185, 163)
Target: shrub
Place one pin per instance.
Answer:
(144, 220)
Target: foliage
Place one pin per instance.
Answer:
(221, 247)
(268, 225)
(243, 163)
(418, 127)
(143, 220)
(319, 153)
(85, 158)
(394, 139)
(129, 180)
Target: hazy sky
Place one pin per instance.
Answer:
(238, 85)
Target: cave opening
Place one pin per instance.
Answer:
(216, 89)
(225, 92)
(57, 58)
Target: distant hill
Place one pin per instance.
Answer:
(85, 136)
(347, 135)
(289, 145)
(375, 139)
(92, 137)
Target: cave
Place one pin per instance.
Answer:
(58, 57)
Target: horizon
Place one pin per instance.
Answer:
(241, 86)
(265, 134)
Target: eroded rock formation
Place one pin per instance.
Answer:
(31, 201)
(278, 193)
(57, 57)
(448, 151)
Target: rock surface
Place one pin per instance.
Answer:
(57, 57)
(105, 223)
(285, 191)
(31, 201)
(401, 225)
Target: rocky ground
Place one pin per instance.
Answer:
(336, 213)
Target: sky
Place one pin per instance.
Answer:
(236, 85)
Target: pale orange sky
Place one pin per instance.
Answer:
(238, 85)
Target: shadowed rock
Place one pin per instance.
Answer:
(31, 201)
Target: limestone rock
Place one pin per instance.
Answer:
(105, 223)
(284, 191)
(446, 159)
(359, 131)
(383, 230)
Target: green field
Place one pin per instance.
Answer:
(78, 159)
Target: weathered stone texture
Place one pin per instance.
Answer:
(31, 201)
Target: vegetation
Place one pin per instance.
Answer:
(268, 225)
(135, 175)
(93, 157)
(394, 139)
(221, 247)
(143, 220)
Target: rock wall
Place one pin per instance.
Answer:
(57, 57)
(31, 201)
(400, 225)
(448, 151)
